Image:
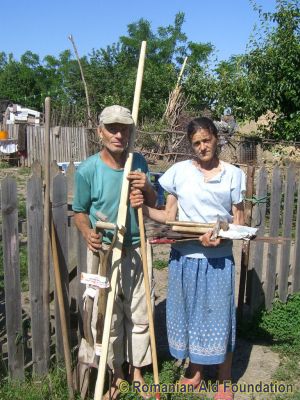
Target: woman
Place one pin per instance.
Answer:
(200, 304)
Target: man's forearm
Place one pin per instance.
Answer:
(82, 222)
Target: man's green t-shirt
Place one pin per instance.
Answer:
(98, 188)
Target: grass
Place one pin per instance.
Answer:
(280, 328)
(23, 268)
(160, 264)
(53, 386)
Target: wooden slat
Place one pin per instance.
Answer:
(41, 133)
(13, 309)
(59, 213)
(269, 288)
(34, 145)
(70, 177)
(287, 230)
(51, 147)
(35, 263)
(36, 169)
(41, 145)
(246, 244)
(54, 170)
(259, 214)
(72, 238)
(30, 147)
(296, 263)
(67, 144)
(81, 267)
(86, 143)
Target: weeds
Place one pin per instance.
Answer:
(160, 264)
(23, 268)
(53, 386)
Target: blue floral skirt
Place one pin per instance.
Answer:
(201, 320)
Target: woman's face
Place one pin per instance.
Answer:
(204, 145)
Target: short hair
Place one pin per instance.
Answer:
(201, 123)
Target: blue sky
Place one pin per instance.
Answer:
(43, 26)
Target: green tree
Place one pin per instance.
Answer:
(267, 77)
(112, 71)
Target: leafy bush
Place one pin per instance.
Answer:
(283, 321)
(280, 325)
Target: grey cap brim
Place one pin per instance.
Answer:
(117, 120)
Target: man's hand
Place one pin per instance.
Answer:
(206, 241)
(139, 180)
(93, 240)
(136, 198)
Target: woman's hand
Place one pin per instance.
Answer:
(206, 240)
(93, 240)
(136, 198)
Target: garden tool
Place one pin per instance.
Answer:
(89, 349)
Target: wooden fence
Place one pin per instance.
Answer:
(66, 143)
(273, 269)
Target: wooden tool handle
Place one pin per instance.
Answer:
(191, 229)
(190, 223)
(105, 225)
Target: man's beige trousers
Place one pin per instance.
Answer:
(129, 336)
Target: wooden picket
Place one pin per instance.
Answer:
(35, 270)
(270, 283)
(286, 232)
(258, 220)
(60, 220)
(11, 264)
(296, 264)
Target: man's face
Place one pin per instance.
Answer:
(115, 136)
(204, 144)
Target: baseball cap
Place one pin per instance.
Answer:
(116, 114)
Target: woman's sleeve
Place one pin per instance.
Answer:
(238, 186)
(168, 180)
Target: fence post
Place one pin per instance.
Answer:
(246, 244)
(287, 229)
(59, 215)
(259, 214)
(296, 266)
(35, 264)
(269, 288)
(13, 308)
(72, 242)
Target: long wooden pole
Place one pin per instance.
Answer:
(46, 310)
(84, 83)
(148, 299)
(117, 250)
(135, 109)
(62, 314)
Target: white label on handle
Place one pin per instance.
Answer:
(95, 280)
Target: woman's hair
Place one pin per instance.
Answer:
(201, 123)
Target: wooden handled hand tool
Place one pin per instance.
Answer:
(103, 271)
(199, 227)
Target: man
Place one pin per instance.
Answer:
(98, 183)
